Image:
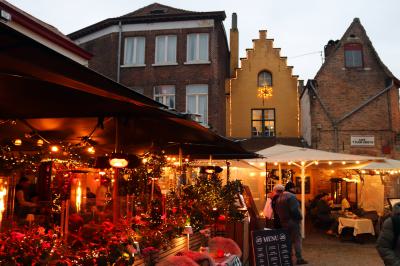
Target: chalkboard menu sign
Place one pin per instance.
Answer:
(271, 248)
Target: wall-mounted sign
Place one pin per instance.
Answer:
(362, 141)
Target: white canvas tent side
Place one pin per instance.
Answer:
(303, 158)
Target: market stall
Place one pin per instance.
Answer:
(304, 158)
(98, 154)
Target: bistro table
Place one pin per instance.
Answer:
(360, 225)
(230, 260)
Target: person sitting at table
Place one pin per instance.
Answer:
(324, 216)
(23, 206)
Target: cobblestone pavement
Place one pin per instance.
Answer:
(323, 250)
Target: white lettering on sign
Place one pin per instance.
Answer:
(362, 141)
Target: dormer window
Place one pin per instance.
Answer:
(353, 55)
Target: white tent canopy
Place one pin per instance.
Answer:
(284, 153)
(386, 164)
(303, 158)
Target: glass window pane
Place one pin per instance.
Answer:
(203, 109)
(171, 49)
(203, 46)
(191, 47)
(160, 49)
(191, 104)
(197, 89)
(257, 114)
(269, 128)
(128, 55)
(269, 114)
(140, 48)
(256, 128)
(170, 101)
(264, 79)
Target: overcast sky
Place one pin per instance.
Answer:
(300, 28)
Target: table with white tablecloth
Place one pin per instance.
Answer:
(360, 225)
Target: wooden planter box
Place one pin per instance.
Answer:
(178, 244)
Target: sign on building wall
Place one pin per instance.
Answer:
(362, 141)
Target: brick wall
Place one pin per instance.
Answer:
(342, 90)
(105, 51)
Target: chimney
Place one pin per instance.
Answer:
(330, 47)
(234, 45)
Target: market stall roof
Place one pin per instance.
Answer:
(283, 153)
(32, 74)
(386, 164)
(63, 100)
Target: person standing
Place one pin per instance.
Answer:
(23, 206)
(272, 218)
(388, 244)
(288, 210)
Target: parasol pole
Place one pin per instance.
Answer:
(280, 173)
(303, 200)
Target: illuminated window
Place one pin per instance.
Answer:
(197, 47)
(263, 122)
(353, 55)
(264, 79)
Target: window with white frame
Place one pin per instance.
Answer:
(197, 102)
(134, 51)
(165, 50)
(197, 47)
(165, 94)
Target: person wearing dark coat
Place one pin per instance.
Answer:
(388, 244)
(288, 209)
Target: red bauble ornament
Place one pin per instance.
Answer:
(222, 218)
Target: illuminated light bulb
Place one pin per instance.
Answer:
(252, 174)
(168, 159)
(54, 148)
(332, 171)
(262, 164)
(357, 162)
(173, 159)
(289, 163)
(303, 163)
(362, 171)
(330, 163)
(377, 172)
(119, 162)
(17, 142)
(275, 163)
(39, 143)
(144, 160)
(91, 150)
(186, 160)
(343, 162)
(316, 162)
(102, 173)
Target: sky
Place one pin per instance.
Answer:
(300, 28)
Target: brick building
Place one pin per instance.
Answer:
(178, 57)
(352, 105)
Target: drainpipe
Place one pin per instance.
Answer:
(119, 50)
(336, 138)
